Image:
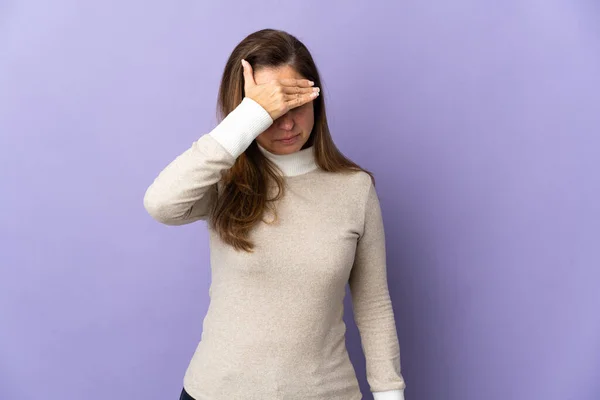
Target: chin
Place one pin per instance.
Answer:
(286, 149)
(279, 148)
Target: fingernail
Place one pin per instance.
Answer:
(311, 83)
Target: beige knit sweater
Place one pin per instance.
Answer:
(274, 327)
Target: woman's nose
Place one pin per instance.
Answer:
(286, 121)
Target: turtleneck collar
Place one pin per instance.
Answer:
(298, 163)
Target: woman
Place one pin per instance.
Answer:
(291, 221)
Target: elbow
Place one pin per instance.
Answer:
(159, 208)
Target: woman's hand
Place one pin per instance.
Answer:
(278, 96)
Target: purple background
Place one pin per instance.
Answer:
(480, 119)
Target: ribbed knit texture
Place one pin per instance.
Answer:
(274, 329)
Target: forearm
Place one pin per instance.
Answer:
(184, 190)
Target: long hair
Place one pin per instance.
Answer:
(243, 194)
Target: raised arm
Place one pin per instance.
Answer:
(186, 189)
(183, 192)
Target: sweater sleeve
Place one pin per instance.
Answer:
(372, 307)
(184, 191)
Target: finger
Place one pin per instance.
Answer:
(296, 82)
(300, 90)
(248, 73)
(296, 100)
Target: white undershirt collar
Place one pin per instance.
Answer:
(293, 164)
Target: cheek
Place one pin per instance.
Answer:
(269, 131)
(305, 118)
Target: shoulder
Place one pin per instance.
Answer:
(363, 179)
(356, 179)
(354, 186)
(359, 181)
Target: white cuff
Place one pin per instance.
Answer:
(241, 126)
(397, 394)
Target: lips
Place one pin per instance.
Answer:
(289, 137)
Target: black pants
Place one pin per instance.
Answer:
(185, 396)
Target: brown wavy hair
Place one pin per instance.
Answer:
(243, 194)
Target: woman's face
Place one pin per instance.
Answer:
(297, 123)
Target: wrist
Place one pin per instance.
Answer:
(397, 394)
(241, 126)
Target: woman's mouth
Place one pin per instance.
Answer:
(291, 140)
